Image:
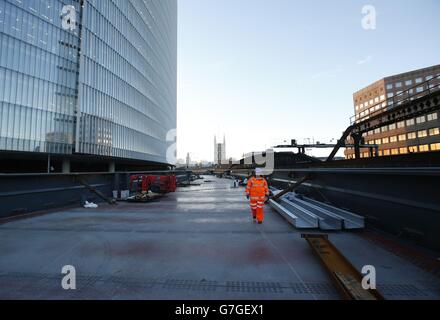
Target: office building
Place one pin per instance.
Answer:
(88, 81)
(420, 134)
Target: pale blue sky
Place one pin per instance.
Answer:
(262, 71)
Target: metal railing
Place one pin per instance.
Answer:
(405, 96)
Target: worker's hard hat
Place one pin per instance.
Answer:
(258, 172)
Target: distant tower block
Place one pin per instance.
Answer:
(220, 151)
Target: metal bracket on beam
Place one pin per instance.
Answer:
(341, 143)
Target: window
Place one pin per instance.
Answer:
(419, 89)
(385, 140)
(412, 135)
(434, 132)
(393, 139)
(377, 130)
(394, 152)
(410, 122)
(408, 82)
(429, 78)
(380, 153)
(424, 148)
(386, 152)
(384, 129)
(402, 137)
(390, 95)
(413, 149)
(401, 124)
(2, 14)
(435, 147)
(432, 116)
(419, 80)
(421, 119)
(422, 133)
(382, 97)
(378, 141)
(403, 150)
(398, 84)
(392, 126)
(376, 100)
(389, 86)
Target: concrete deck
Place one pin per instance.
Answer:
(199, 243)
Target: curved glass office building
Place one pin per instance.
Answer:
(88, 77)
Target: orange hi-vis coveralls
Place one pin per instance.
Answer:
(257, 189)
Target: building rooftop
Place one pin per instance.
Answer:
(198, 243)
(422, 70)
(399, 75)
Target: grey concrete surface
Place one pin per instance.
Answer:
(198, 243)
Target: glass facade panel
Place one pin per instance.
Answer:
(32, 74)
(128, 89)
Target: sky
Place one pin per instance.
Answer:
(267, 71)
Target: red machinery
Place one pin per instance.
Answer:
(141, 184)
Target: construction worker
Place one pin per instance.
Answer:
(256, 191)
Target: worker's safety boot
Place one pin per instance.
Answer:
(260, 215)
(254, 214)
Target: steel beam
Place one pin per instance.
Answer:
(345, 276)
